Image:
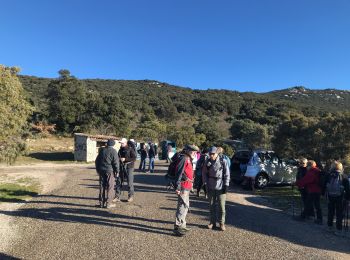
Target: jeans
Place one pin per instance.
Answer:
(106, 183)
(335, 206)
(142, 166)
(151, 164)
(215, 196)
(183, 204)
(129, 177)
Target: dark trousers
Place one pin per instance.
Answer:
(106, 181)
(142, 166)
(199, 184)
(303, 195)
(313, 201)
(129, 177)
(335, 206)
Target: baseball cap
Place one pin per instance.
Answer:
(213, 149)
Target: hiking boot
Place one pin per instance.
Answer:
(131, 199)
(184, 229)
(109, 206)
(222, 227)
(116, 199)
(178, 231)
(211, 226)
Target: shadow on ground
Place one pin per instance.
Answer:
(266, 221)
(53, 156)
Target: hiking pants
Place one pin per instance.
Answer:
(106, 181)
(217, 197)
(313, 200)
(129, 177)
(183, 204)
(303, 195)
(335, 205)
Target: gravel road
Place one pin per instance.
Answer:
(65, 224)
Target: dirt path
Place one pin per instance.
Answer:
(65, 224)
(50, 176)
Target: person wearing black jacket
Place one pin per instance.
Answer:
(143, 154)
(127, 158)
(303, 192)
(152, 152)
(107, 167)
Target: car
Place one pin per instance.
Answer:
(265, 167)
(239, 162)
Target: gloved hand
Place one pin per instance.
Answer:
(224, 189)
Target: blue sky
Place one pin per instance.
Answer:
(246, 45)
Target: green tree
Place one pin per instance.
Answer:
(185, 135)
(253, 134)
(67, 102)
(149, 129)
(14, 112)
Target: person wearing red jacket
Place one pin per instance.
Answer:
(184, 183)
(311, 182)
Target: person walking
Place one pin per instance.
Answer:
(107, 167)
(143, 155)
(216, 176)
(127, 158)
(303, 193)
(311, 182)
(184, 182)
(337, 190)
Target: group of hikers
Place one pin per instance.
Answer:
(332, 183)
(209, 170)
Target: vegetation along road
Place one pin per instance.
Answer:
(65, 224)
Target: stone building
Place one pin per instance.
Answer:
(86, 146)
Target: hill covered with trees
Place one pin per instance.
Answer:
(294, 122)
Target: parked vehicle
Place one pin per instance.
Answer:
(165, 145)
(239, 164)
(264, 167)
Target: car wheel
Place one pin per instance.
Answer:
(261, 181)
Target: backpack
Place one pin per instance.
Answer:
(171, 173)
(228, 161)
(334, 186)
